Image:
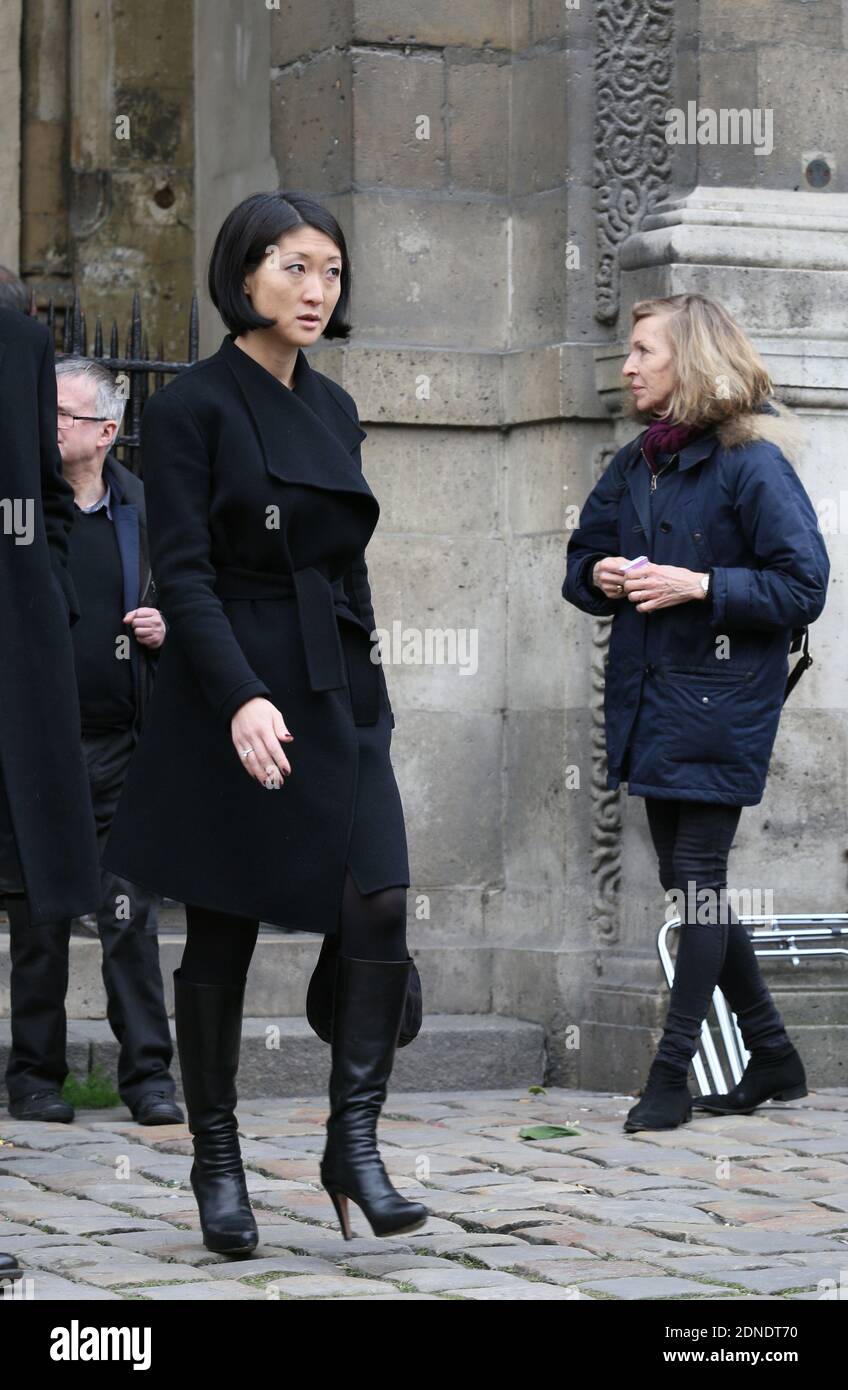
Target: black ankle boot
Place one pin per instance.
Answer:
(665, 1102)
(767, 1077)
(208, 1025)
(367, 1011)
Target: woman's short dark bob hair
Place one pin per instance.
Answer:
(242, 243)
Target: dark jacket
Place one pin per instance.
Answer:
(687, 715)
(130, 521)
(259, 517)
(46, 805)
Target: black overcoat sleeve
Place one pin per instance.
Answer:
(355, 579)
(177, 485)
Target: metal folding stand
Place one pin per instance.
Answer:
(791, 936)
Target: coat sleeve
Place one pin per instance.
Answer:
(177, 485)
(595, 537)
(787, 587)
(356, 584)
(57, 495)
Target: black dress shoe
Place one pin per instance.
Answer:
(766, 1077)
(665, 1102)
(9, 1268)
(157, 1108)
(42, 1105)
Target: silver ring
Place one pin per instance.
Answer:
(246, 752)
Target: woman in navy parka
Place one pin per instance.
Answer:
(698, 654)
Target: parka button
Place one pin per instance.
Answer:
(696, 535)
(665, 525)
(705, 699)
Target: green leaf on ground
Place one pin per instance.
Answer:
(546, 1131)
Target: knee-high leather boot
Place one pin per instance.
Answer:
(208, 1026)
(367, 1011)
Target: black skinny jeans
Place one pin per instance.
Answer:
(219, 945)
(693, 840)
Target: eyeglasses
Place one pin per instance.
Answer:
(68, 421)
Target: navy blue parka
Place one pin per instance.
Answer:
(693, 692)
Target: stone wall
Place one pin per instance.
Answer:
(501, 171)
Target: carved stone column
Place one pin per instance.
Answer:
(634, 76)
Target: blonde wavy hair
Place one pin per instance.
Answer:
(719, 372)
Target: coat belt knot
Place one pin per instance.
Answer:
(331, 663)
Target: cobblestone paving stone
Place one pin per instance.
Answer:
(742, 1207)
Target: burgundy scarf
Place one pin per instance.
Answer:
(663, 436)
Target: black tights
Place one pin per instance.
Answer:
(693, 840)
(219, 945)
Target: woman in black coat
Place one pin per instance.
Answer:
(697, 663)
(262, 787)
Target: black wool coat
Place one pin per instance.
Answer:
(46, 819)
(258, 516)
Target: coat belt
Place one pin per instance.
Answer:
(320, 601)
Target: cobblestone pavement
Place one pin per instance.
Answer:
(746, 1207)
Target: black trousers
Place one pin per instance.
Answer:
(693, 841)
(127, 926)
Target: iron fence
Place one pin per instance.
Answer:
(135, 365)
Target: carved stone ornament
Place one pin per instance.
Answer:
(634, 64)
(606, 805)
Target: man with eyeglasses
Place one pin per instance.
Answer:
(116, 642)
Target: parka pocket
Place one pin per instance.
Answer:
(705, 714)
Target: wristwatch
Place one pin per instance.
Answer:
(705, 582)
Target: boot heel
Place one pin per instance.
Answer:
(794, 1093)
(339, 1201)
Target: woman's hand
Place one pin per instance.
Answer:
(607, 576)
(259, 726)
(662, 586)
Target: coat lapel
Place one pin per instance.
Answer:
(306, 435)
(639, 475)
(127, 535)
